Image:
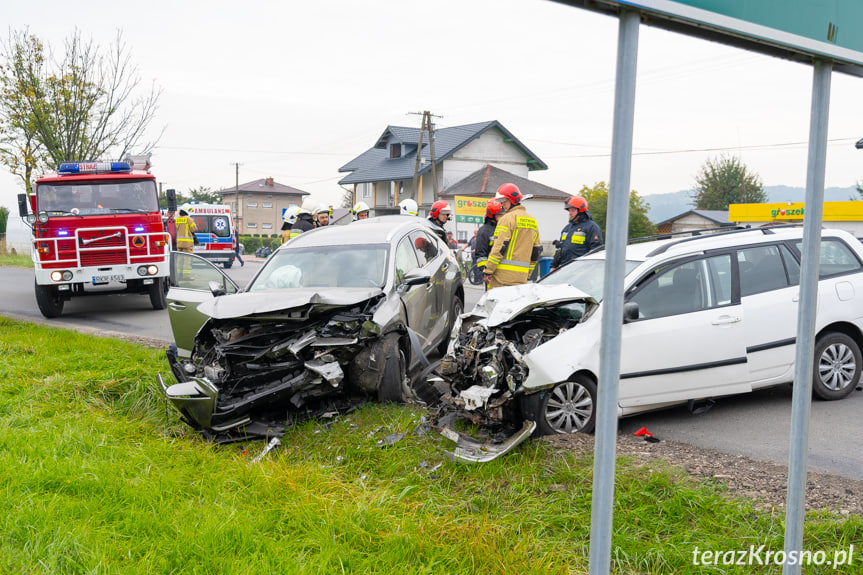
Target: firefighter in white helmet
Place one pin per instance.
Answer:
(305, 221)
(289, 218)
(408, 207)
(361, 211)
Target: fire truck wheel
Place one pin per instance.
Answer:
(228, 264)
(49, 301)
(157, 294)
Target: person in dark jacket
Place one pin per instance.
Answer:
(439, 215)
(485, 233)
(305, 219)
(579, 236)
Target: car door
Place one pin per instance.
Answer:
(432, 257)
(190, 284)
(688, 340)
(769, 293)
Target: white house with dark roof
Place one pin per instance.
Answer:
(383, 175)
(694, 220)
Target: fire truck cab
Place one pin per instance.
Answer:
(97, 230)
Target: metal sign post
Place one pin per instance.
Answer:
(601, 515)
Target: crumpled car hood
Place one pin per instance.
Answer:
(502, 304)
(262, 302)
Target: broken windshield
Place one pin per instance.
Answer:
(324, 266)
(588, 275)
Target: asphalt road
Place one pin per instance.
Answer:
(756, 425)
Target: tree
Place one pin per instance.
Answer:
(83, 106)
(4, 216)
(597, 202)
(347, 199)
(726, 181)
(204, 195)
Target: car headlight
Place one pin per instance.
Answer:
(64, 275)
(148, 270)
(43, 217)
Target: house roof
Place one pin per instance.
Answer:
(262, 186)
(375, 165)
(717, 216)
(485, 182)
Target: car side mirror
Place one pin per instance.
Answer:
(630, 311)
(22, 206)
(417, 276)
(216, 288)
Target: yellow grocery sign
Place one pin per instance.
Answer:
(794, 211)
(470, 209)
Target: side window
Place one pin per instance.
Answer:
(761, 270)
(689, 287)
(406, 259)
(836, 258)
(221, 227)
(426, 247)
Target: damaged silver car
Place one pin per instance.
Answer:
(335, 317)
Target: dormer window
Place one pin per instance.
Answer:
(395, 151)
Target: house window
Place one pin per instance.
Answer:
(267, 226)
(395, 151)
(366, 191)
(251, 225)
(252, 204)
(267, 205)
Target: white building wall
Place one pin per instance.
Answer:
(550, 217)
(489, 148)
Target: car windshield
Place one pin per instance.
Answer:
(588, 275)
(324, 266)
(97, 197)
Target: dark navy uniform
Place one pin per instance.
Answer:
(304, 223)
(576, 239)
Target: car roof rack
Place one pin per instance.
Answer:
(766, 230)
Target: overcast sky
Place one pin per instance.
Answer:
(294, 90)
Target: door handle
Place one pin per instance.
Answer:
(176, 306)
(726, 319)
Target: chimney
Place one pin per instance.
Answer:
(269, 181)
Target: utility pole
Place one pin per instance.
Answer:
(239, 214)
(426, 125)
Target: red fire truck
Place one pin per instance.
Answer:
(97, 230)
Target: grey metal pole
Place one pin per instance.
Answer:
(804, 360)
(605, 451)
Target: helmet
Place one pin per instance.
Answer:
(361, 207)
(323, 210)
(291, 214)
(492, 208)
(509, 192)
(408, 207)
(576, 202)
(308, 207)
(187, 207)
(438, 208)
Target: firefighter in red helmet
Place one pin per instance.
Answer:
(485, 234)
(439, 215)
(579, 236)
(516, 247)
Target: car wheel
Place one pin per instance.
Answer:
(568, 407)
(394, 371)
(228, 264)
(49, 301)
(157, 293)
(837, 366)
(457, 309)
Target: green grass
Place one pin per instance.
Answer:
(17, 260)
(98, 476)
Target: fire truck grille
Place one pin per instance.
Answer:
(101, 258)
(117, 241)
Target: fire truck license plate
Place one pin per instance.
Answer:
(106, 279)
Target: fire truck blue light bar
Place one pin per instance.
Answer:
(72, 168)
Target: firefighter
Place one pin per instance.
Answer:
(485, 234)
(289, 218)
(579, 236)
(185, 229)
(516, 247)
(305, 220)
(438, 216)
(408, 207)
(361, 211)
(323, 214)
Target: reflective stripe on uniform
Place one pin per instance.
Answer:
(513, 265)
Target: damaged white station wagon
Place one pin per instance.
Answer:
(703, 317)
